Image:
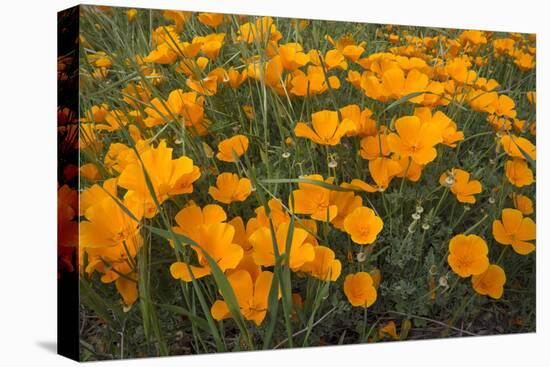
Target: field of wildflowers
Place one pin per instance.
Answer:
(251, 182)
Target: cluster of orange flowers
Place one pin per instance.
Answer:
(152, 148)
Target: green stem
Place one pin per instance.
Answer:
(364, 329)
(469, 230)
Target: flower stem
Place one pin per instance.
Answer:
(469, 230)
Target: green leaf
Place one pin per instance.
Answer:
(95, 302)
(322, 184)
(402, 100)
(219, 277)
(199, 321)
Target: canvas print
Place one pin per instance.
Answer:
(236, 182)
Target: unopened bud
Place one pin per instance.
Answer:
(449, 181)
(361, 257)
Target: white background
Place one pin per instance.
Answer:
(28, 182)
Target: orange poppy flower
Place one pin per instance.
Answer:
(164, 172)
(359, 289)
(365, 125)
(230, 188)
(389, 329)
(515, 230)
(217, 241)
(383, 170)
(314, 200)
(394, 85)
(463, 188)
(191, 218)
(293, 56)
(235, 79)
(96, 193)
(415, 139)
(324, 266)
(491, 282)
(363, 225)
(523, 204)
(505, 106)
(108, 225)
(518, 172)
(313, 82)
(232, 148)
(412, 170)
(468, 255)
(207, 86)
(447, 127)
(301, 252)
(90, 172)
(163, 54)
(211, 44)
(252, 296)
(373, 147)
(346, 202)
(335, 59)
(327, 129)
(262, 30)
(514, 145)
(277, 215)
(211, 19)
(131, 14)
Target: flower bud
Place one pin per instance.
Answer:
(449, 181)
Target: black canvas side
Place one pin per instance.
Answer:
(67, 125)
